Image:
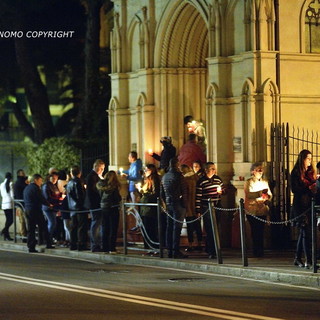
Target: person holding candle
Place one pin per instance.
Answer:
(210, 186)
(150, 191)
(168, 152)
(133, 174)
(198, 129)
(257, 200)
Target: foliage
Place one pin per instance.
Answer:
(53, 152)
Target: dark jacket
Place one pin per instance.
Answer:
(75, 195)
(92, 199)
(19, 186)
(52, 194)
(174, 189)
(168, 152)
(33, 199)
(302, 196)
(109, 197)
(150, 195)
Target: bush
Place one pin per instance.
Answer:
(54, 152)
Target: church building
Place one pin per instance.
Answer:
(238, 66)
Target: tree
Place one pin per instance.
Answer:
(90, 116)
(22, 16)
(53, 152)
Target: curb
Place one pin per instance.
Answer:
(301, 278)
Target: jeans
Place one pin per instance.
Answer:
(51, 220)
(95, 229)
(304, 243)
(174, 227)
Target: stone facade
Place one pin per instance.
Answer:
(236, 65)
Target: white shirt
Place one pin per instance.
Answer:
(7, 197)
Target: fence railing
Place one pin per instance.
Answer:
(315, 214)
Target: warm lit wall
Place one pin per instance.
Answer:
(218, 62)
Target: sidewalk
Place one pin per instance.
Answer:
(275, 267)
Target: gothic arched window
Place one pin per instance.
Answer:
(312, 20)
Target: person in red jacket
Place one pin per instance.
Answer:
(191, 152)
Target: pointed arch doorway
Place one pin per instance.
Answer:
(181, 72)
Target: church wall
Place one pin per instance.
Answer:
(300, 74)
(289, 25)
(255, 82)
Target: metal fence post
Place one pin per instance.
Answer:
(159, 228)
(124, 226)
(214, 225)
(314, 236)
(243, 234)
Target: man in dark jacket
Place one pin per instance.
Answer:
(33, 201)
(168, 152)
(79, 218)
(92, 202)
(174, 192)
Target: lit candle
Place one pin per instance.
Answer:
(219, 189)
(121, 170)
(150, 151)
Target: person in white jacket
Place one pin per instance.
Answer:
(6, 189)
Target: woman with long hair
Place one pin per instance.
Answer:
(7, 206)
(150, 191)
(109, 190)
(257, 199)
(303, 186)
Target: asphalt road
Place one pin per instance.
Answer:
(37, 286)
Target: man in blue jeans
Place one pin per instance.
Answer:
(174, 192)
(92, 202)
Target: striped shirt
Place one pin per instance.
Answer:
(207, 188)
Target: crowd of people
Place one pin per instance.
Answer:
(84, 213)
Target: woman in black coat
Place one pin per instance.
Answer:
(303, 186)
(150, 193)
(110, 199)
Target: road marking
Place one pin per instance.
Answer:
(177, 270)
(160, 303)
